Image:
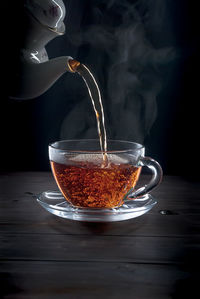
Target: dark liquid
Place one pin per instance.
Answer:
(87, 184)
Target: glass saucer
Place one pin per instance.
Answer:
(55, 203)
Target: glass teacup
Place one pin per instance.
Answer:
(88, 180)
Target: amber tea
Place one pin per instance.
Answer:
(85, 183)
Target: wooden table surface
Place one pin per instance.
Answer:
(156, 255)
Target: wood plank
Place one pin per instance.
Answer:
(147, 225)
(95, 248)
(175, 189)
(174, 193)
(21, 213)
(22, 280)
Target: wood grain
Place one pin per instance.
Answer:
(92, 280)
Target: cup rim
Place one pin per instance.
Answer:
(139, 146)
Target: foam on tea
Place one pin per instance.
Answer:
(97, 159)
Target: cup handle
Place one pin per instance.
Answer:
(157, 173)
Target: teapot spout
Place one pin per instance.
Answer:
(36, 78)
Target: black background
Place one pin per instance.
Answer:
(27, 127)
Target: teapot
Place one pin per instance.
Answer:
(36, 72)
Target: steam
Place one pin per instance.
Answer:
(126, 55)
